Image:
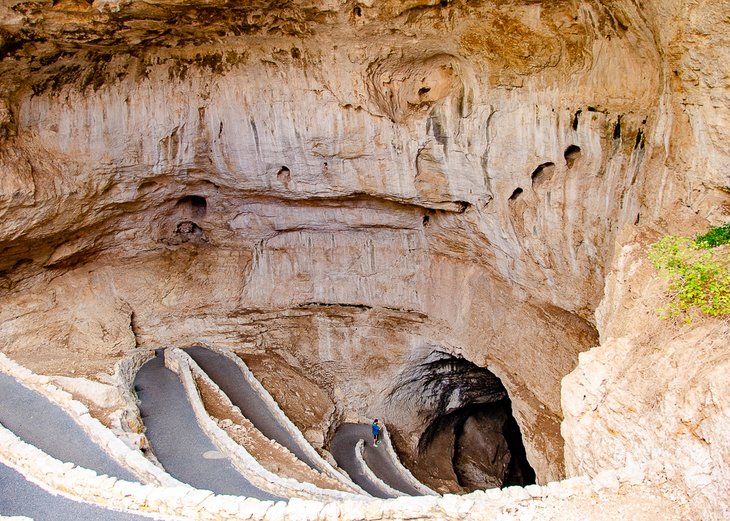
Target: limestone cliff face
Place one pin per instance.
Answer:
(655, 394)
(352, 185)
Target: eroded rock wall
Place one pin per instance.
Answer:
(654, 393)
(353, 186)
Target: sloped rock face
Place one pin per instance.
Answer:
(353, 186)
(652, 395)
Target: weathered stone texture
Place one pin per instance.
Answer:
(355, 187)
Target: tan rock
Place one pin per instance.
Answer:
(355, 187)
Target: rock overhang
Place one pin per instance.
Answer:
(277, 115)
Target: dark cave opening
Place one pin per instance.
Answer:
(542, 174)
(488, 448)
(471, 440)
(518, 191)
(485, 444)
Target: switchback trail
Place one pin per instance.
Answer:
(227, 375)
(343, 448)
(39, 422)
(176, 439)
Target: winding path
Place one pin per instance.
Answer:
(343, 449)
(178, 442)
(37, 421)
(227, 375)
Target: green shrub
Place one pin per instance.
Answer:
(717, 236)
(699, 277)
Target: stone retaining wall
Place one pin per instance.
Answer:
(193, 504)
(365, 469)
(125, 455)
(182, 364)
(610, 496)
(285, 422)
(405, 474)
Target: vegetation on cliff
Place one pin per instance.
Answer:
(698, 271)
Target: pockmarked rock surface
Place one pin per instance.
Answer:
(359, 187)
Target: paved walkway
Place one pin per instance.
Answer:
(39, 422)
(20, 497)
(178, 442)
(227, 375)
(343, 449)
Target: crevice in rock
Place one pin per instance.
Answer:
(576, 116)
(617, 129)
(362, 307)
(518, 191)
(146, 187)
(639, 143)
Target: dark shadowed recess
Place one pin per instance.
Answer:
(471, 440)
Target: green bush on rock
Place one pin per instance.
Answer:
(698, 270)
(717, 236)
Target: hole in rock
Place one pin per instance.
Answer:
(193, 205)
(20, 263)
(284, 176)
(542, 173)
(516, 194)
(296, 53)
(146, 186)
(424, 90)
(426, 218)
(571, 154)
(471, 440)
(357, 11)
(461, 206)
(639, 139)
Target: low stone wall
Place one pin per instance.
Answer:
(405, 474)
(129, 420)
(573, 499)
(125, 455)
(182, 364)
(365, 469)
(609, 496)
(286, 423)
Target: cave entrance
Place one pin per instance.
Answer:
(471, 440)
(488, 448)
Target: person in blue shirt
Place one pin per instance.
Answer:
(376, 433)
